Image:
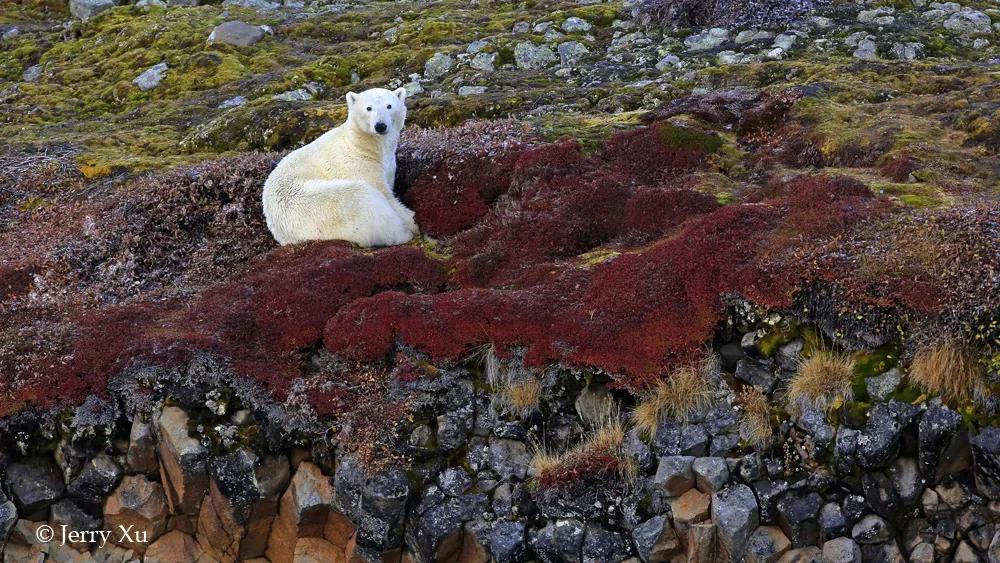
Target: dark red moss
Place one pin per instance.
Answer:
(454, 195)
(899, 168)
(260, 321)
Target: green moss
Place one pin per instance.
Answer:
(779, 335)
(598, 14)
(680, 137)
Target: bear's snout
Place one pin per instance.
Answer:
(380, 128)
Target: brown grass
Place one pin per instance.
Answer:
(822, 379)
(755, 418)
(600, 453)
(687, 391)
(515, 396)
(522, 396)
(949, 369)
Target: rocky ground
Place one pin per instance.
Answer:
(697, 281)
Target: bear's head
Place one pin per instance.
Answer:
(378, 111)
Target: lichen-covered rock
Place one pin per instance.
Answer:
(986, 462)
(708, 39)
(674, 474)
(969, 22)
(879, 442)
(508, 542)
(832, 522)
(435, 529)
(943, 443)
(509, 458)
(601, 544)
(529, 56)
(766, 545)
(656, 540)
(86, 9)
(559, 540)
(438, 65)
(151, 77)
(8, 517)
(235, 518)
(841, 550)
(238, 33)
(798, 517)
(711, 474)
(735, 512)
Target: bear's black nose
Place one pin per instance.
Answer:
(380, 128)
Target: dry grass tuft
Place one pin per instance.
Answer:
(755, 418)
(687, 391)
(950, 369)
(822, 380)
(599, 454)
(516, 395)
(523, 395)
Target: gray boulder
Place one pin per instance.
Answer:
(986, 462)
(656, 540)
(574, 24)
(483, 61)
(708, 39)
(766, 545)
(735, 512)
(571, 52)
(438, 65)
(238, 33)
(32, 73)
(711, 474)
(601, 545)
(151, 77)
(841, 550)
(674, 475)
(96, 480)
(969, 22)
(529, 56)
(561, 540)
(35, 483)
(509, 458)
(86, 9)
(508, 542)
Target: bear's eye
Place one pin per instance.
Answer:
(369, 108)
(388, 106)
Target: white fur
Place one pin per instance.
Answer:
(339, 187)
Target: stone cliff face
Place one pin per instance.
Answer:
(722, 293)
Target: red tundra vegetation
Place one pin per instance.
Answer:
(612, 260)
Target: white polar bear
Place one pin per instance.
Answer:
(339, 187)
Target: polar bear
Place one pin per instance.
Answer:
(339, 187)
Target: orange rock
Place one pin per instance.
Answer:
(136, 513)
(183, 463)
(302, 513)
(171, 547)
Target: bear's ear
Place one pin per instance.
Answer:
(351, 98)
(400, 93)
